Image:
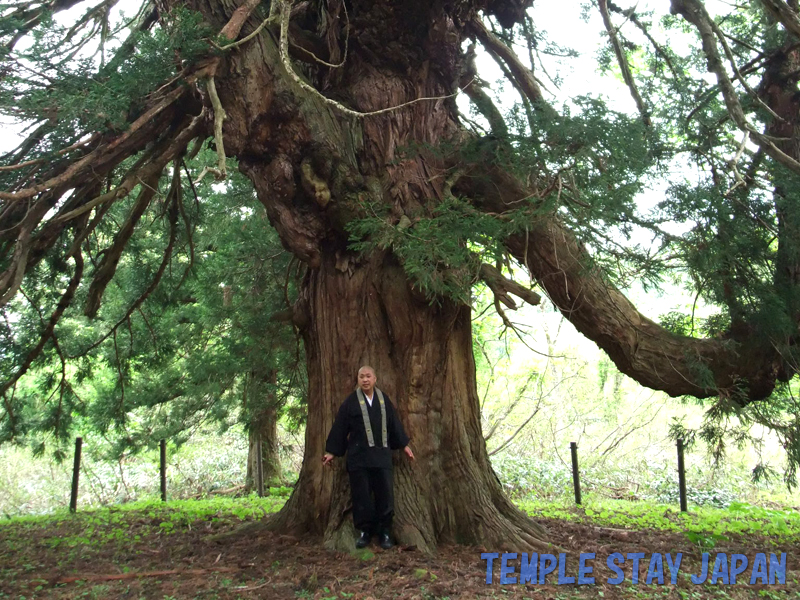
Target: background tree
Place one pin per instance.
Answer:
(210, 343)
(342, 115)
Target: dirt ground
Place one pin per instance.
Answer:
(37, 562)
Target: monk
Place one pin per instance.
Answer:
(367, 428)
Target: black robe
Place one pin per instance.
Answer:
(348, 434)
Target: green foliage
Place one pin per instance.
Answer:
(208, 464)
(729, 424)
(606, 154)
(441, 253)
(525, 478)
(702, 526)
(733, 214)
(683, 324)
(115, 526)
(203, 347)
(68, 97)
(118, 524)
(186, 332)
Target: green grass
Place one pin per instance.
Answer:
(123, 522)
(701, 525)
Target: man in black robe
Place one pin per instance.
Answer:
(368, 429)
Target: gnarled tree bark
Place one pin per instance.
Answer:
(423, 357)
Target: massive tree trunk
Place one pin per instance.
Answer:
(422, 354)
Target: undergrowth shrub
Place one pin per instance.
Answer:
(210, 462)
(525, 477)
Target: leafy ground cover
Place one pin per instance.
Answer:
(702, 526)
(206, 549)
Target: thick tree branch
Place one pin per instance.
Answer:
(238, 19)
(102, 153)
(501, 287)
(641, 348)
(523, 77)
(784, 13)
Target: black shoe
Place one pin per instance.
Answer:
(385, 541)
(363, 540)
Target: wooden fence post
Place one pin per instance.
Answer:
(682, 477)
(576, 479)
(163, 470)
(76, 469)
(259, 468)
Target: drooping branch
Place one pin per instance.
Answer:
(178, 190)
(622, 61)
(63, 383)
(694, 12)
(108, 265)
(172, 213)
(62, 305)
(103, 154)
(11, 279)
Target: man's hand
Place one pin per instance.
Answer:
(326, 460)
(408, 452)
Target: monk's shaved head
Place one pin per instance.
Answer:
(367, 368)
